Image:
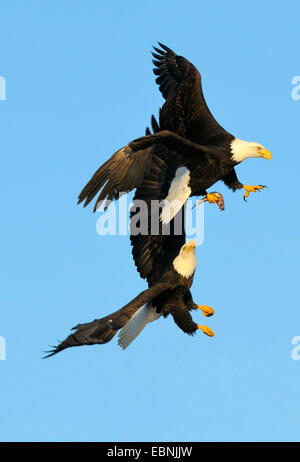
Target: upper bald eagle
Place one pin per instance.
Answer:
(198, 151)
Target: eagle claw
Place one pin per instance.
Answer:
(206, 310)
(213, 198)
(206, 330)
(250, 189)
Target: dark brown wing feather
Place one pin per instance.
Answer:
(102, 330)
(125, 170)
(185, 111)
(170, 69)
(121, 173)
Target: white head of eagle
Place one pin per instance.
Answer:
(185, 263)
(242, 150)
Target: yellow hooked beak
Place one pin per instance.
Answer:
(190, 246)
(266, 154)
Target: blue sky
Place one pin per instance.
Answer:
(79, 85)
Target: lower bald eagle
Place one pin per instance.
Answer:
(169, 296)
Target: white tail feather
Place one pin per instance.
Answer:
(147, 313)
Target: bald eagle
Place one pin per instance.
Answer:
(169, 295)
(198, 151)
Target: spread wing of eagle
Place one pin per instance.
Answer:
(125, 170)
(185, 111)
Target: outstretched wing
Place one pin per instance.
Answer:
(185, 111)
(171, 70)
(125, 170)
(102, 330)
(121, 173)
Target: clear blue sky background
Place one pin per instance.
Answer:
(79, 86)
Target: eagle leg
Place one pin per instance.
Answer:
(206, 330)
(250, 189)
(213, 198)
(206, 310)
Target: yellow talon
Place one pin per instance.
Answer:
(206, 330)
(215, 198)
(206, 310)
(250, 189)
(211, 197)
